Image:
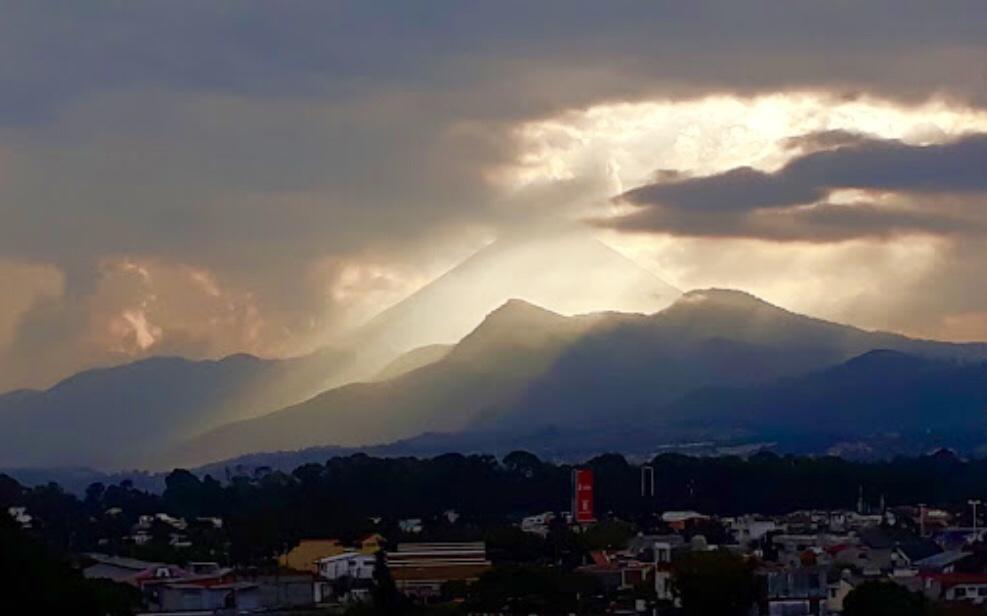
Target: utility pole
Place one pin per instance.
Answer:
(973, 504)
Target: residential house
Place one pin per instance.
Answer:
(348, 564)
(129, 570)
(905, 554)
(837, 591)
(343, 570)
(965, 587)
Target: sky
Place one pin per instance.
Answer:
(205, 178)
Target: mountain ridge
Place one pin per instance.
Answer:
(528, 366)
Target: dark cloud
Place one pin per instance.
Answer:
(510, 58)
(739, 189)
(825, 140)
(820, 223)
(745, 202)
(254, 139)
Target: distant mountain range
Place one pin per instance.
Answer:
(463, 365)
(877, 404)
(122, 416)
(569, 274)
(612, 381)
(130, 415)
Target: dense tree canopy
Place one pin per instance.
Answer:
(717, 582)
(881, 598)
(271, 510)
(38, 580)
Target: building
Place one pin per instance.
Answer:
(943, 562)
(538, 524)
(346, 574)
(663, 570)
(618, 572)
(680, 520)
(303, 556)
(281, 589)
(794, 591)
(372, 543)
(184, 598)
(420, 569)
(129, 570)
(966, 587)
(348, 564)
(838, 591)
(748, 530)
(227, 594)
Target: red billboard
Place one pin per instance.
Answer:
(582, 495)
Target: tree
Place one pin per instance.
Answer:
(527, 589)
(695, 574)
(37, 580)
(884, 599)
(522, 463)
(387, 598)
(607, 534)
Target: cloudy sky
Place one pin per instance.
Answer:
(202, 178)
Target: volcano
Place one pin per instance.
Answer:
(568, 275)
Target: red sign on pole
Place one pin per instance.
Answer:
(582, 495)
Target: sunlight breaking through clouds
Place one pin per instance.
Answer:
(698, 137)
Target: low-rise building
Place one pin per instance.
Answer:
(680, 520)
(420, 569)
(129, 570)
(794, 591)
(344, 577)
(348, 564)
(303, 557)
(538, 524)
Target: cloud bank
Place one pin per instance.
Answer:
(201, 178)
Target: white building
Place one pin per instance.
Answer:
(663, 570)
(538, 524)
(355, 565)
(348, 565)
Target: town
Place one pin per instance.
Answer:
(476, 535)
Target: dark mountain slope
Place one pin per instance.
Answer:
(713, 337)
(879, 393)
(487, 369)
(526, 369)
(413, 360)
(121, 415)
